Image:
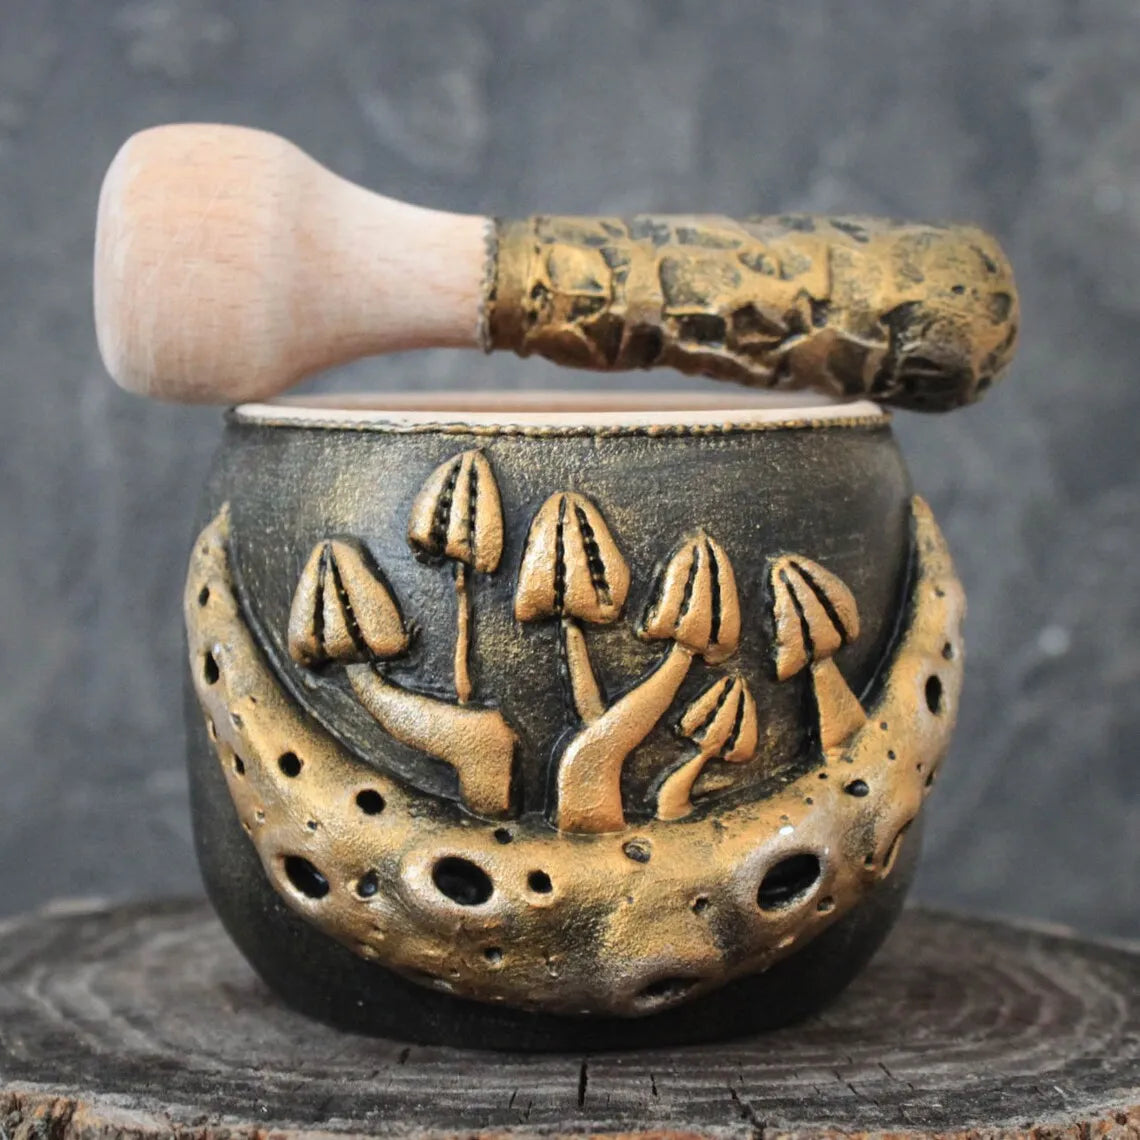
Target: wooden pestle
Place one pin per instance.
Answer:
(229, 265)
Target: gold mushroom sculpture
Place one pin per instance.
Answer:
(458, 516)
(572, 570)
(722, 723)
(343, 610)
(814, 615)
(343, 613)
(696, 607)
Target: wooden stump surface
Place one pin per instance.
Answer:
(144, 1021)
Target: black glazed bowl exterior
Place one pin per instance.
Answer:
(568, 729)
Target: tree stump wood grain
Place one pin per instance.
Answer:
(143, 1021)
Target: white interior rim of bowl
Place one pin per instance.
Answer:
(557, 409)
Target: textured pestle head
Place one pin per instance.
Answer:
(229, 264)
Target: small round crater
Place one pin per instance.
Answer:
(502, 835)
(312, 824)
(305, 877)
(539, 882)
(462, 881)
(290, 764)
(825, 905)
(236, 721)
(788, 880)
(883, 725)
(948, 651)
(958, 290)
(210, 669)
(494, 955)
(934, 693)
(203, 595)
(930, 780)
(239, 765)
(823, 775)
(639, 850)
(665, 990)
(370, 801)
(890, 754)
(368, 884)
(857, 788)
(939, 592)
(700, 904)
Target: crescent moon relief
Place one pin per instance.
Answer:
(588, 914)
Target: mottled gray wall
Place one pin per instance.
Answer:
(1021, 114)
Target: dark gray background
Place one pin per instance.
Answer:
(1023, 115)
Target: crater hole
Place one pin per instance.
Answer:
(210, 669)
(857, 788)
(239, 765)
(934, 694)
(368, 884)
(539, 882)
(305, 877)
(203, 595)
(502, 835)
(290, 764)
(787, 880)
(462, 881)
(494, 955)
(370, 801)
(639, 850)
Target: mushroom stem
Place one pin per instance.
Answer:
(463, 688)
(674, 801)
(478, 743)
(584, 688)
(840, 713)
(589, 773)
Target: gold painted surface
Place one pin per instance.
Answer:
(622, 922)
(573, 570)
(722, 723)
(921, 316)
(814, 615)
(342, 610)
(458, 517)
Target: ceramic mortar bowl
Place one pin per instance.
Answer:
(564, 723)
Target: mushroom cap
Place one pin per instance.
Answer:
(571, 565)
(813, 612)
(342, 609)
(722, 721)
(458, 514)
(696, 603)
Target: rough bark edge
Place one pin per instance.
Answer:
(28, 1113)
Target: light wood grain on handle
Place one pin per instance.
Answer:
(229, 264)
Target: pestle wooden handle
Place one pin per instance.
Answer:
(229, 265)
